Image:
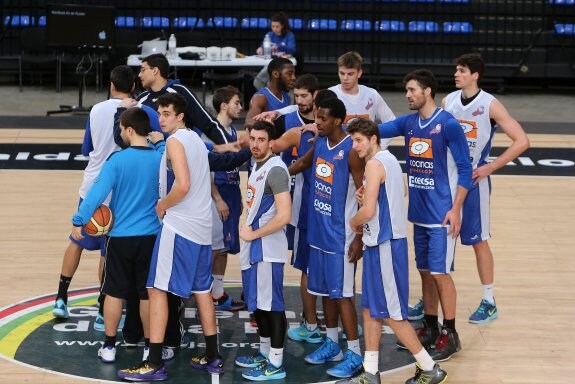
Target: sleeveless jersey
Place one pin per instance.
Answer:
(289, 156)
(273, 102)
(301, 188)
(228, 177)
(476, 124)
(390, 219)
(332, 201)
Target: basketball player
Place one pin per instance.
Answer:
(129, 175)
(264, 253)
(182, 260)
(382, 219)
(439, 176)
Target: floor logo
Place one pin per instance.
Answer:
(30, 334)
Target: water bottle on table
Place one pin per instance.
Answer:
(267, 46)
(172, 53)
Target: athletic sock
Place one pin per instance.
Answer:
(431, 320)
(265, 346)
(449, 324)
(212, 346)
(425, 361)
(276, 357)
(371, 362)
(155, 356)
(63, 286)
(353, 345)
(147, 342)
(332, 334)
(110, 341)
(488, 293)
(310, 327)
(218, 286)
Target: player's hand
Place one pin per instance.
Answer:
(453, 217)
(355, 251)
(247, 233)
(268, 116)
(244, 140)
(128, 103)
(160, 210)
(223, 209)
(77, 233)
(481, 173)
(228, 147)
(309, 128)
(259, 51)
(359, 195)
(155, 136)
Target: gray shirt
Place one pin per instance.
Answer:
(277, 180)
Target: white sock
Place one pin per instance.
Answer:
(265, 346)
(310, 327)
(332, 334)
(425, 361)
(218, 286)
(371, 362)
(488, 293)
(353, 345)
(276, 357)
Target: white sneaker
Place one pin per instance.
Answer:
(107, 354)
(167, 354)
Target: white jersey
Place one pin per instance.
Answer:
(191, 218)
(475, 121)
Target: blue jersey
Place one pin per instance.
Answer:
(228, 177)
(273, 102)
(332, 201)
(302, 182)
(437, 160)
(289, 156)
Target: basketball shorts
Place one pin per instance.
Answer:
(300, 255)
(91, 243)
(290, 234)
(127, 265)
(225, 234)
(434, 249)
(330, 274)
(179, 265)
(475, 215)
(385, 280)
(263, 286)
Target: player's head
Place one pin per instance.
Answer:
(420, 86)
(365, 136)
(305, 89)
(469, 70)
(280, 24)
(122, 79)
(260, 135)
(349, 69)
(330, 116)
(282, 73)
(134, 122)
(323, 94)
(228, 100)
(153, 67)
(171, 112)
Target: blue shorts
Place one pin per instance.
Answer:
(434, 249)
(263, 286)
(330, 274)
(179, 265)
(300, 255)
(475, 216)
(290, 234)
(91, 243)
(226, 234)
(385, 280)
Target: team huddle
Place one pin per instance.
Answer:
(321, 183)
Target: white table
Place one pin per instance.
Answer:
(248, 61)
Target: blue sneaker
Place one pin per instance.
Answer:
(415, 312)
(60, 309)
(251, 361)
(227, 303)
(99, 324)
(351, 364)
(144, 372)
(301, 333)
(215, 366)
(329, 351)
(265, 371)
(484, 313)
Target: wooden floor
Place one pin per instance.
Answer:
(532, 223)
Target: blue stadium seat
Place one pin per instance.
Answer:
(19, 20)
(125, 22)
(421, 1)
(389, 26)
(188, 22)
(222, 22)
(455, 1)
(388, 1)
(565, 29)
(355, 25)
(296, 24)
(562, 2)
(322, 24)
(255, 23)
(457, 27)
(423, 27)
(155, 22)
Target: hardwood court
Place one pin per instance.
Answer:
(532, 221)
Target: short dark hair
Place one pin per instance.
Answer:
(474, 62)
(350, 60)
(323, 94)
(282, 18)
(158, 60)
(174, 99)
(308, 82)
(136, 118)
(363, 126)
(224, 95)
(263, 126)
(123, 78)
(336, 108)
(424, 77)
(277, 64)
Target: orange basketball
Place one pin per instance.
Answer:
(100, 223)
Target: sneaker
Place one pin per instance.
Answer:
(107, 354)
(60, 309)
(265, 371)
(167, 354)
(253, 321)
(350, 365)
(446, 345)
(184, 343)
(215, 366)
(484, 313)
(99, 324)
(415, 312)
(133, 343)
(301, 333)
(227, 303)
(251, 361)
(427, 336)
(361, 378)
(359, 332)
(144, 372)
(435, 376)
(329, 351)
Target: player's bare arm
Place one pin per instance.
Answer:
(176, 153)
(357, 169)
(281, 218)
(302, 163)
(374, 177)
(258, 104)
(289, 139)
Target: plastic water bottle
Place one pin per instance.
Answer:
(267, 47)
(172, 53)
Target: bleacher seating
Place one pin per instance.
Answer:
(19, 20)
(423, 27)
(188, 22)
(255, 23)
(155, 22)
(355, 25)
(222, 22)
(565, 29)
(322, 25)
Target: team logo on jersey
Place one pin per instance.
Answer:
(479, 111)
(262, 176)
(339, 155)
(324, 170)
(419, 147)
(250, 194)
(369, 104)
(436, 130)
(469, 128)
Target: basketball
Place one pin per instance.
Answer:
(100, 223)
